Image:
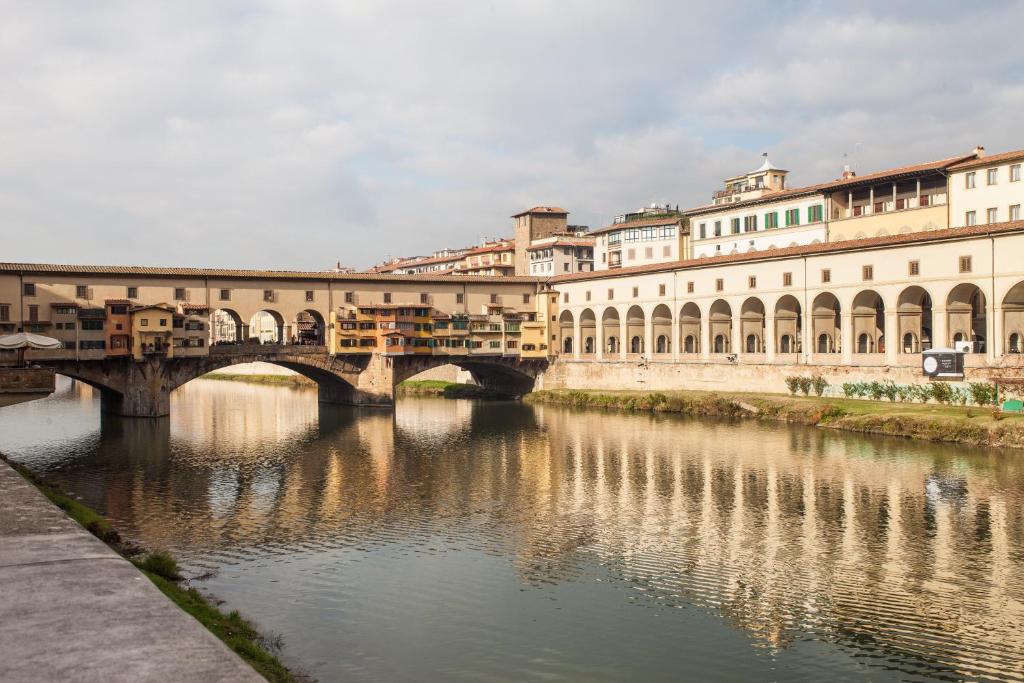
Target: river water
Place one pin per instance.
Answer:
(468, 541)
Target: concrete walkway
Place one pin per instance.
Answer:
(71, 609)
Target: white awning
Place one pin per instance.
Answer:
(26, 340)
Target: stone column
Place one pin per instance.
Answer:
(769, 338)
(705, 339)
(576, 341)
(676, 337)
(623, 342)
(892, 341)
(846, 334)
(940, 327)
(736, 335)
(806, 335)
(648, 349)
(994, 347)
(599, 339)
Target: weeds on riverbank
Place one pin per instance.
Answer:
(440, 388)
(276, 380)
(162, 569)
(927, 422)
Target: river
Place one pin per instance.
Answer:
(474, 541)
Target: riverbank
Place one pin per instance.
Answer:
(929, 422)
(295, 380)
(439, 388)
(150, 637)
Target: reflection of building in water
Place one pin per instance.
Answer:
(879, 544)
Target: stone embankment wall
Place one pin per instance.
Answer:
(745, 377)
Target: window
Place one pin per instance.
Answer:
(719, 285)
(133, 292)
(1015, 212)
(309, 295)
(718, 228)
(867, 272)
(752, 282)
(771, 220)
(792, 217)
(661, 290)
(565, 267)
(460, 298)
(992, 215)
(631, 254)
(526, 298)
(29, 289)
(494, 298)
(33, 313)
(5, 312)
(649, 252)
(179, 293)
(587, 296)
(565, 298)
(81, 292)
(750, 224)
(636, 292)
(735, 226)
(387, 297)
(689, 287)
(611, 294)
(703, 230)
(144, 322)
(666, 251)
(826, 275)
(992, 176)
(914, 268)
(1015, 173)
(424, 297)
(92, 324)
(965, 264)
(815, 213)
(787, 279)
(970, 218)
(163, 322)
(969, 181)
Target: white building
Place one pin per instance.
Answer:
(648, 236)
(561, 254)
(986, 189)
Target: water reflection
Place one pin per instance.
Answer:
(807, 553)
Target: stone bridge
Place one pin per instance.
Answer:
(142, 388)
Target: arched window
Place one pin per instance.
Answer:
(785, 344)
(909, 343)
(751, 343)
(1015, 343)
(662, 346)
(824, 344)
(863, 343)
(720, 343)
(567, 345)
(690, 345)
(588, 345)
(613, 345)
(636, 345)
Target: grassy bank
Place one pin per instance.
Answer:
(276, 380)
(434, 387)
(955, 424)
(160, 568)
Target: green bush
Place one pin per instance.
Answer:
(161, 564)
(819, 384)
(982, 393)
(874, 390)
(942, 392)
(889, 390)
(805, 385)
(793, 384)
(922, 392)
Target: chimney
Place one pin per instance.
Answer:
(848, 172)
(979, 151)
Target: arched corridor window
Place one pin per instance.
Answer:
(567, 345)
(662, 346)
(863, 343)
(785, 344)
(588, 345)
(1015, 343)
(690, 346)
(613, 345)
(636, 345)
(720, 344)
(824, 344)
(909, 343)
(752, 344)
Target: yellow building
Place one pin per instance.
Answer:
(152, 329)
(537, 339)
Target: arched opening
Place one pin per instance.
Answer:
(635, 329)
(226, 327)
(788, 324)
(869, 322)
(588, 330)
(610, 330)
(310, 328)
(721, 344)
(720, 325)
(752, 325)
(266, 327)
(826, 323)
(966, 316)
(689, 327)
(1013, 317)
(565, 330)
(914, 314)
(661, 320)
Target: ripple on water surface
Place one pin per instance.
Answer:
(452, 540)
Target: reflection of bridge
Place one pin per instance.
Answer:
(142, 389)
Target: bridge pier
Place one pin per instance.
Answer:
(137, 401)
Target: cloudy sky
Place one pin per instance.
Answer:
(296, 134)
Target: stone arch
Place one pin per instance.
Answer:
(752, 322)
(1013, 318)
(635, 329)
(966, 316)
(914, 319)
(788, 325)
(720, 326)
(689, 328)
(588, 331)
(310, 329)
(565, 327)
(266, 326)
(826, 323)
(661, 320)
(227, 327)
(868, 322)
(610, 324)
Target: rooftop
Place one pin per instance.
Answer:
(988, 160)
(640, 223)
(552, 210)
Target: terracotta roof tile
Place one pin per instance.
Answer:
(554, 210)
(988, 160)
(563, 243)
(805, 250)
(639, 223)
